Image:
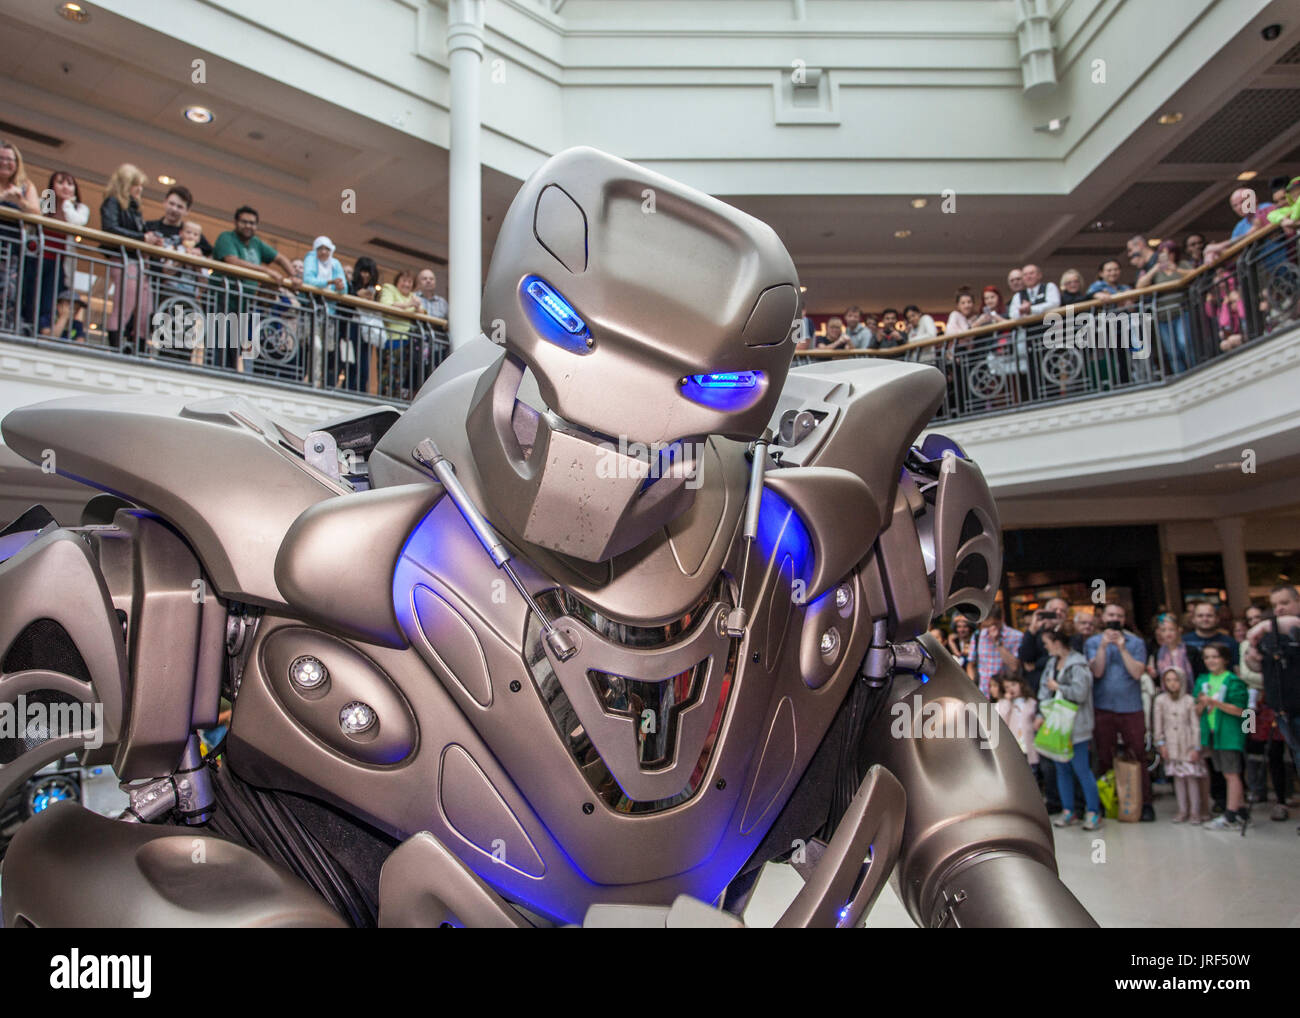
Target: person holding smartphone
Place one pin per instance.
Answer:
(1118, 659)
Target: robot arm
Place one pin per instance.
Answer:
(977, 847)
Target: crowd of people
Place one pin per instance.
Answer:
(1227, 321)
(1209, 704)
(373, 351)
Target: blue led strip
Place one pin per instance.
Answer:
(727, 380)
(560, 310)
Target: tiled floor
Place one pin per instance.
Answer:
(1154, 875)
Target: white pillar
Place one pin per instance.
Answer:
(465, 200)
(1236, 579)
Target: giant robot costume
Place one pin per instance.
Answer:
(620, 609)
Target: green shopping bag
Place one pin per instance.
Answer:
(1108, 794)
(1055, 736)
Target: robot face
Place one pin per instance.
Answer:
(650, 316)
(644, 308)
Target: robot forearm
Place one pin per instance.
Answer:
(977, 847)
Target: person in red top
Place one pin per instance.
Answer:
(64, 195)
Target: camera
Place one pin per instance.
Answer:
(1114, 624)
(1046, 616)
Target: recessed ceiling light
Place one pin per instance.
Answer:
(1169, 119)
(198, 114)
(803, 289)
(902, 234)
(920, 203)
(74, 12)
(165, 180)
(1153, 242)
(1247, 175)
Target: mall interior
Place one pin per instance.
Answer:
(990, 160)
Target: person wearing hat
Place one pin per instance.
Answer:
(321, 269)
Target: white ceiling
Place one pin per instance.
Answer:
(85, 86)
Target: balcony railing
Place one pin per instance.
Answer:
(117, 297)
(99, 292)
(1132, 340)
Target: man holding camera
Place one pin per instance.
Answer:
(1118, 660)
(1273, 648)
(994, 650)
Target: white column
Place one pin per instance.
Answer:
(465, 200)
(1232, 543)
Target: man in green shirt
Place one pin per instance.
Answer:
(242, 246)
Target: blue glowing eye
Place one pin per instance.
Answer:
(727, 380)
(556, 306)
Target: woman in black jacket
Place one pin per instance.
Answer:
(120, 214)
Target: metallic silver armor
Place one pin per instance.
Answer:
(627, 599)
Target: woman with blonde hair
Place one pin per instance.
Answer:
(120, 214)
(16, 190)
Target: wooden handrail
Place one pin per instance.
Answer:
(238, 271)
(1021, 323)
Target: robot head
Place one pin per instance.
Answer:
(650, 315)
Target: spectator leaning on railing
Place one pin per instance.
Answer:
(1140, 254)
(241, 246)
(16, 190)
(888, 336)
(1072, 287)
(1036, 298)
(65, 205)
(176, 206)
(120, 214)
(835, 338)
(921, 326)
(859, 335)
(1171, 320)
(1107, 284)
(1015, 281)
(426, 288)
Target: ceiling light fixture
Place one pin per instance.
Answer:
(902, 234)
(1169, 119)
(74, 12)
(165, 180)
(920, 203)
(198, 114)
(1247, 175)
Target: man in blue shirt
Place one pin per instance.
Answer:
(1118, 659)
